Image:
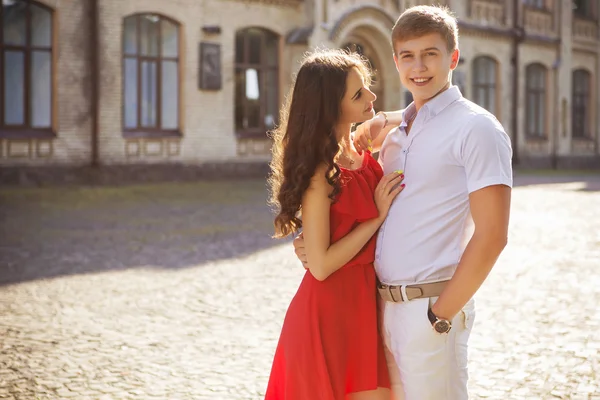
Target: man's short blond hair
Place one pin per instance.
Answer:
(422, 20)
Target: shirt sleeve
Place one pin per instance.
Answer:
(486, 154)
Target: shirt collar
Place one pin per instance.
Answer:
(433, 106)
(408, 114)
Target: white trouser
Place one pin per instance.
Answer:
(425, 365)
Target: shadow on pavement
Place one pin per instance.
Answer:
(49, 232)
(56, 231)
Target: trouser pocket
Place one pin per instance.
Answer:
(463, 324)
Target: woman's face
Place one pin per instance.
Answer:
(357, 104)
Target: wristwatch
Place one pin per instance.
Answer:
(441, 326)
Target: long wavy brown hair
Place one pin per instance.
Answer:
(306, 136)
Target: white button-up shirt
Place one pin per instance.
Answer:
(454, 148)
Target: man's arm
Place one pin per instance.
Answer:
(485, 153)
(490, 209)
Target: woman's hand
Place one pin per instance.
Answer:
(367, 132)
(386, 191)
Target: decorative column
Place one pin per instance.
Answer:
(564, 71)
(320, 35)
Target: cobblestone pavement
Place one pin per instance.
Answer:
(177, 292)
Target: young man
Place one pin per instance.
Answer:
(444, 233)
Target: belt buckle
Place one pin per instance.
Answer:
(388, 288)
(392, 294)
(403, 295)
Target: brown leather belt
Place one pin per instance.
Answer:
(400, 293)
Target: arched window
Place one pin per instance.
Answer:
(535, 108)
(25, 67)
(150, 74)
(580, 103)
(256, 82)
(484, 82)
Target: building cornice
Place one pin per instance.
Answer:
(288, 3)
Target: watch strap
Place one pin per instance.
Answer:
(435, 321)
(431, 316)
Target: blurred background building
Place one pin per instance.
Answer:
(101, 82)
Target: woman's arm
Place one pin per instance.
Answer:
(371, 134)
(394, 118)
(324, 258)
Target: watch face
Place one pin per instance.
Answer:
(442, 326)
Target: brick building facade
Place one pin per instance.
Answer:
(113, 82)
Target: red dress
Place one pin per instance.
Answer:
(330, 343)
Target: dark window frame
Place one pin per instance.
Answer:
(539, 95)
(26, 130)
(581, 104)
(588, 11)
(479, 63)
(262, 67)
(140, 130)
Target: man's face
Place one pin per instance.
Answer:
(424, 65)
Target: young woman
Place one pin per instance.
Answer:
(330, 347)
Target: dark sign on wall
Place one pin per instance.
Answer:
(210, 66)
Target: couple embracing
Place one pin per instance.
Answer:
(394, 248)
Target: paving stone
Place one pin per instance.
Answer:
(179, 292)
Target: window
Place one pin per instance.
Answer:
(151, 75)
(484, 82)
(256, 82)
(535, 108)
(581, 104)
(585, 8)
(25, 68)
(459, 79)
(535, 3)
